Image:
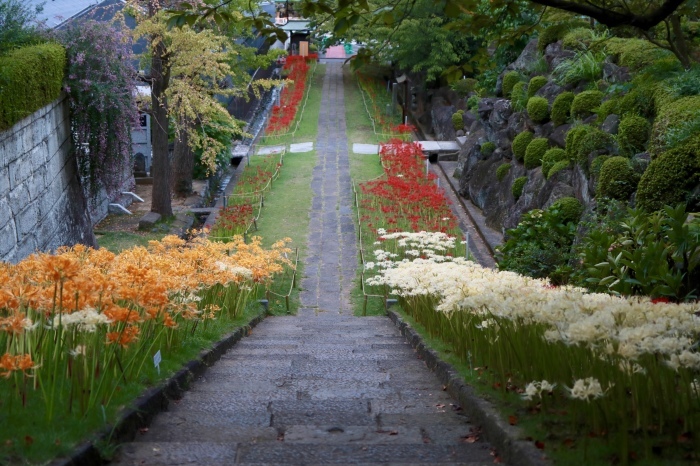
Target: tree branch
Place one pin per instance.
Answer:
(613, 18)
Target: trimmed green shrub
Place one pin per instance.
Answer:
(518, 96)
(535, 85)
(635, 53)
(633, 134)
(535, 151)
(487, 148)
(502, 171)
(585, 103)
(617, 179)
(670, 176)
(573, 137)
(30, 77)
(518, 185)
(473, 103)
(609, 107)
(553, 33)
(551, 157)
(520, 143)
(672, 117)
(538, 109)
(559, 166)
(594, 140)
(509, 81)
(561, 108)
(639, 101)
(457, 121)
(569, 208)
(464, 86)
(577, 39)
(597, 163)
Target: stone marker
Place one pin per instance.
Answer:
(368, 149)
(140, 165)
(301, 147)
(267, 150)
(149, 220)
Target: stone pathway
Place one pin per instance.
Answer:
(322, 387)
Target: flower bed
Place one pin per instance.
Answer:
(624, 369)
(377, 99)
(79, 329)
(284, 114)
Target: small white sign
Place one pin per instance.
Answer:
(156, 360)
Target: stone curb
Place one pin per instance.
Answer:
(504, 437)
(153, 401)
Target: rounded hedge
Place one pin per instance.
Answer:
(561, 108)
(535, 151)
(509, 80)
(473, 103)
(535, 85)
(502, 171)
(518, 96)
(520, 143)
(609, 107)
(551, 34)
(670, 176)
(538, 109)
(518, 185)
(635, 54)
(617, 179)
(457, 121)
(551, 157)
(573, 137)
(671, 117)
(487, 148)
(633, 134)
(569, 208)
(594, 140)
(577, 39)
(597, 163)
(585, 103)
(559, 166)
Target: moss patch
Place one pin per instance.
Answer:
(535, 151)
(551, 157)
(585, 103)
(520, 144)
(518, 185)
(538, 109)
(561, 108)
(617, 179)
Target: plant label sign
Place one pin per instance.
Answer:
(156, 360)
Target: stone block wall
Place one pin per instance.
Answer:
(42, 205)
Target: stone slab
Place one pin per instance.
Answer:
(301, 147)
(241, 150)
(365, 149)
(429, 146)
(267, 150)
(448, 145)
(149, 220)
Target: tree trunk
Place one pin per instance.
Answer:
(160, 170)
(183, 165)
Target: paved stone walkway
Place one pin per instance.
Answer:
(322, 387)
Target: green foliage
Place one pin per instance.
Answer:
(502, 171)
(520, 144)
(473, 103)
(585, 66)
(635, 54)
(538, 109)
(30, 78)
(655, 255)
(518, 96)
(18, 25)
(594, 140)
(578, 39)
(509, 80)
(551, 157)
(569, 208)
(487, 148)
(633, 134)
(672, 117)
(617, 179)
(535, 85)
(539, 245)
(585, 103)
(609, 107)
(464, 86)
(561, 108)
(535, 151)
(518, 185)
(686, 82)
(551, 34)
(596, 164)
(573, 138)
(559, 166)
(457, 121)
(670, 176)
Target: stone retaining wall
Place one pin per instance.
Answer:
(42, 205)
